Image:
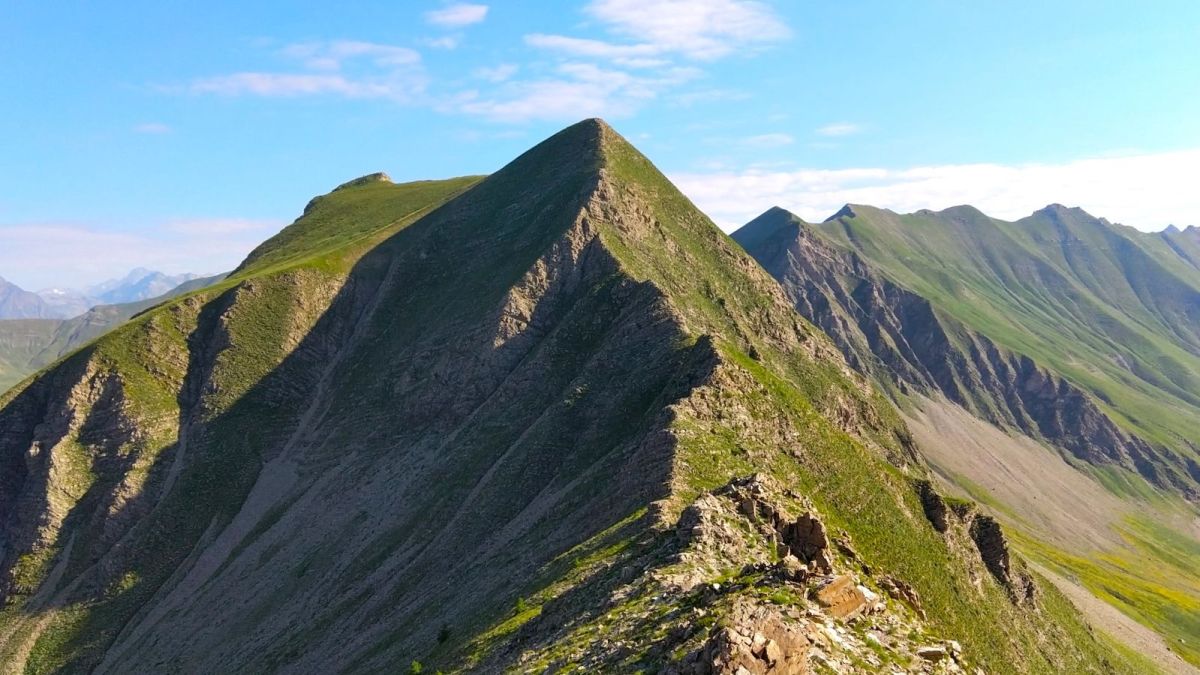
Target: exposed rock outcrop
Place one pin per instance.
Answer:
(962, 523)
(934, 505)
(758, 640)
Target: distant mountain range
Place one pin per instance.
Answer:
(66, 303)
(31, 342)
(18, 303)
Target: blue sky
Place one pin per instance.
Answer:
(136, 133)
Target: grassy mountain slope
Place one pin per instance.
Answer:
(488, 424)
(927, 349)
(21, 341)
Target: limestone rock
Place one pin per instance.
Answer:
(932, 653)
(758, 641)
(842, 597)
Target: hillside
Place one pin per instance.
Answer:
(551, 418)
(999, 320)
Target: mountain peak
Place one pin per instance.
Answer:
(765, 226)
(963, 211)
(1057, 209)
(847, 211)
(586, 140)
(369, 179)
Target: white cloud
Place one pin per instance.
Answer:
(575, 90)
(444, 42)
(288, 84)
(199, 246)
(596, 49)
(347, 68)
(768, 140)
(1147, 191)
(839, 129)
(698, 29)
(651, 37)
(644, 53)
(457, 15)
(154, 128)
(498, 73)
(702, 30)
(332, 55)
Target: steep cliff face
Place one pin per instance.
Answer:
(469, 423)
(904, 341)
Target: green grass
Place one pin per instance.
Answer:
(1153, 579)
(346, 219)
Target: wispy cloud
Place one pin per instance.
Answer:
(639, 54)
(575, 90)
(645, 50)
(499, 73)
(287, 84)
(152, 128)
(697, 29)
(333, 55)
(838, 129)
(769, 140)
(701, 30)
(200, 246)
(1148, 191)
(347, 68)
(648, 48)
(444, 42)
(457, 15)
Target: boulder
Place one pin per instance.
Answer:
(791, 569)
(842, 598)
(932, 652)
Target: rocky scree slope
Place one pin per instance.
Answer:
(909, 342)
(498, 424)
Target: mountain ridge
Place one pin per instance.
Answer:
(479, 423)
